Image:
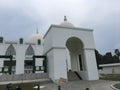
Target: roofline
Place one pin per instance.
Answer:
(76, 28)
(107, 65)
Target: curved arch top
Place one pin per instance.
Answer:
(10, 50)
(74, 40)
(30, 51)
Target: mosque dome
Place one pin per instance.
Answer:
(34, 38)
(66, 23)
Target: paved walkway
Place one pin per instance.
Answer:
(78, 85)
(82, 85)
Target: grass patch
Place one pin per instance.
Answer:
(24, 86)
(112, 77)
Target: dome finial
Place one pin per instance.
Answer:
(37, 31)
(65, 18)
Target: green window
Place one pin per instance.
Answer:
(1, 39)
(21, 41)
(39, 41)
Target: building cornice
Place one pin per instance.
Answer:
(54, 48)
(88, 48)
(75, 28)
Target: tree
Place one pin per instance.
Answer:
(108, 58)
(117, 52)
(98, 58)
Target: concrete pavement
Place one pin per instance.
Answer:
(82, 85)
(76, 85)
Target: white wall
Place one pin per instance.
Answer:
(91, 64)
(20, 54)
(74, 62)
(110, 70)
(48, 42)
(51, 64)
(61, 35)
(60, 69)
(68, 60)
(20, 57)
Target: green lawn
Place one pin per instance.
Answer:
(113, 77)
(25, 86)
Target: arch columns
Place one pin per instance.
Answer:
(92, 72)
(57, 63)
(20, 57)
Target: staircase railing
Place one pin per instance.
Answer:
(78, 75)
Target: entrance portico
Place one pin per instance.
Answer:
(75, 48)
(70, 48)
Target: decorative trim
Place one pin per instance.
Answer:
(30, 44)
(10, 42)
(88, 48)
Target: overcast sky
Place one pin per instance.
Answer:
(20, 18)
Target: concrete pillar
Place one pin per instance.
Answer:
(20, 57)
(59, 65)
(2, 52)
(68, 61)
(38, 61)
(91, 64)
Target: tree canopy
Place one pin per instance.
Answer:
(108, 58)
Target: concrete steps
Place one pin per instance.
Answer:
(72, 76)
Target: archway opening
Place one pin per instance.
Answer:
(10, 52)
(75, 55)
(28, 62)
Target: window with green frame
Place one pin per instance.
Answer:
(1, 39)
(39, 41)
(21, 41)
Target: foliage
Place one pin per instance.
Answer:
(117, 52)
(106, 59)
(112, 77)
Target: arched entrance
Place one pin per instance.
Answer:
(75, 62)
(70, 48)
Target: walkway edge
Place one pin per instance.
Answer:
(24, 81)
(114, 88)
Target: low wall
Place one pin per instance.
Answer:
(21, 77)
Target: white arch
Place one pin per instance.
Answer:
(10, 50)
(30, 50)
(76, 56)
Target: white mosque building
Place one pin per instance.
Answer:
(64, 48)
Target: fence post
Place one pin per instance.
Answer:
(38, 85)
(87, 88)
(59, 87)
